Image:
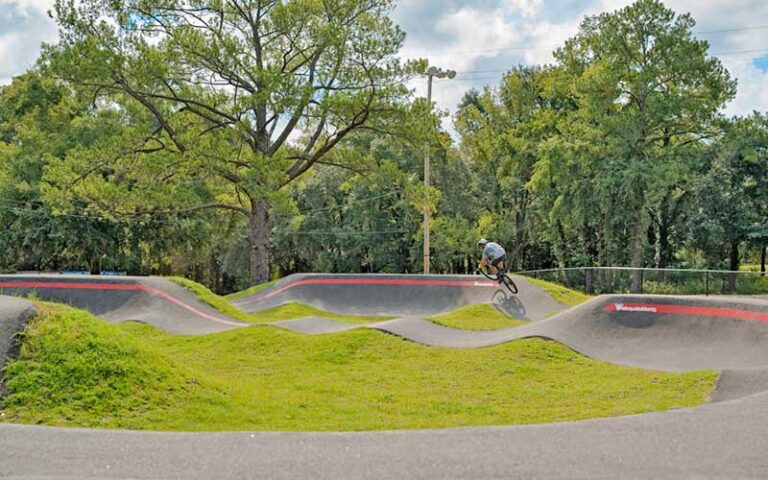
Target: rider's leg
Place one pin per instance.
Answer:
(495, 267)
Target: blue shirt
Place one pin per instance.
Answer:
(493, 250)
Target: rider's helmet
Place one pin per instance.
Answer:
(481, 243)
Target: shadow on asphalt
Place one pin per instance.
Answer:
(509, 304)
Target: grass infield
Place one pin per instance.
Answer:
(78, 370)
(476, 317)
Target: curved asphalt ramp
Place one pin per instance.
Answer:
(420, 295)
(721, 440)
(156, 301)
(659, 332)
(14, 314)
(671, 333)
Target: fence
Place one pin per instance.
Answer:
(655, 280)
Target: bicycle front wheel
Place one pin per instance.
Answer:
(509, 283)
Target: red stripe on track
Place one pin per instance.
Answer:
(117, 286)
(79, 286)
(373, 281)
(685, 310)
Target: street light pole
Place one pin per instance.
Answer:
(426, 184)
(439, 73)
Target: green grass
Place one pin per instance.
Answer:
(562, 294)
(287, 311)
(298, 310)
(249, 291)
(753, 267)
(77, 370)
(476, 317)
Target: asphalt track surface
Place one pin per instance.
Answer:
(724, 439)
(401, 295)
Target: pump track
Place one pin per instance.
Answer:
(726, 438)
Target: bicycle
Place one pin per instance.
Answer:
(500, 277)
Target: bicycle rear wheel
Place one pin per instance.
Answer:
(509, 283)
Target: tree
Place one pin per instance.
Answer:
(732, 196)
(503, 132)
(36, 124)
(649, 88)
(224, 103)
(41, 121)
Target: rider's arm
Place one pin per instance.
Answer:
(484, 261)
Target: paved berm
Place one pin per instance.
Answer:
(725, 439)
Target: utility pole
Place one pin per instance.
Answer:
(430, 73)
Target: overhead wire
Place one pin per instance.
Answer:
(9, 205)
(551, 45)
(714, 54)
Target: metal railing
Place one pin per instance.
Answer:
(595, 280)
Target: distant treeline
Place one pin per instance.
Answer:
(165, 157)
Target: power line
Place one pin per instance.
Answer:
(357, 201)
(552, 45)
(486, 77)
(17, 205)
(344, 233)
(735, 29)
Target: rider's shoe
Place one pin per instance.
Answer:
(500, 281)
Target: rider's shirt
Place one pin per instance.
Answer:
(493, 250)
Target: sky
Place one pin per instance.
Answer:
(480, 39)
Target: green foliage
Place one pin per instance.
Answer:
(732, 194)
(615, 155)
(213, 119)
(645, 91)
(503, 131)
(43, 121)
(355, 222)
(78, 371)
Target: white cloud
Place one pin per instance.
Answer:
(489, 36)
(482, 39)
(752, 91)
(476, 31)
(24, 25)
(525, 8)
(31, 7)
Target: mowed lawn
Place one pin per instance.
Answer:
(480, 316)
(78, 370)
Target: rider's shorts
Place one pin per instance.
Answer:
(495, 262)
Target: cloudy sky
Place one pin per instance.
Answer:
(481, 38)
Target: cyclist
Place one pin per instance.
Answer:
(494, 255)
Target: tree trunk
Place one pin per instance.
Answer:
(663, 249)
(762, 259)
(733, 266)
(638, 244)
(521, 226)
(589, 281)
(259, 231)
(520, 239)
